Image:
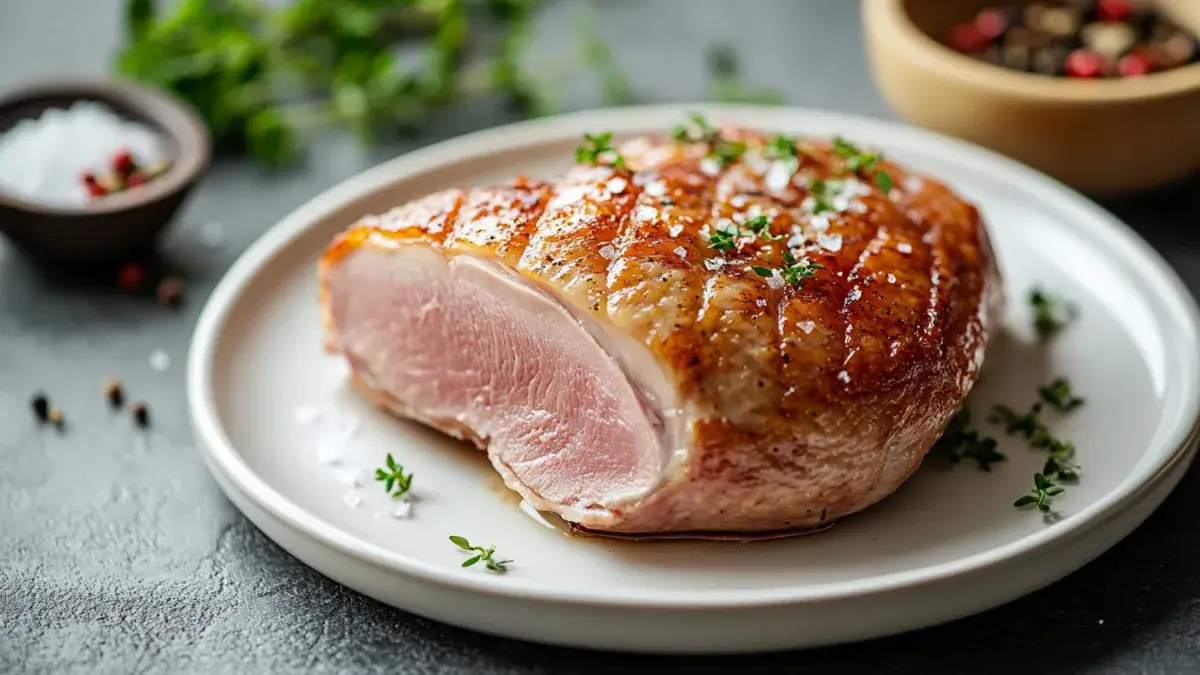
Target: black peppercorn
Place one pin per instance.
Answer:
(41, 407)
(141, 415)
(114, 393)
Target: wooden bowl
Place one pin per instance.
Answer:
(1104, 137)
(118, 225)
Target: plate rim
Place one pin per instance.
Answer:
(1122, 241)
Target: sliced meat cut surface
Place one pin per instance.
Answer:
(677, 345)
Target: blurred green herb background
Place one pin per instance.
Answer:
(262, 75)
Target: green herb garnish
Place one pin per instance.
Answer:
(724, 239)
(597, 149)
(1027, 425)
(960, 441)
(1060, 461)
(1043, 490)
(760, 226)
(393, 477)
(1058, 395)
(696, 130)
(484, 555)
(726, 152)
(1050, 314)
(822, 193)
(781, 147)
(794, 271)
(865, 162)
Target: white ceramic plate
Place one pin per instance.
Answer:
(949, 543)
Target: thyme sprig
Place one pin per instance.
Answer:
(1043, 490)
(395, 481)
(482, 554)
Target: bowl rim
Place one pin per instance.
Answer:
(937, 57)
(172, 116)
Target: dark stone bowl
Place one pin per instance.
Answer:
(119, 225)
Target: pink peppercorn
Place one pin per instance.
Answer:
(1083, 63)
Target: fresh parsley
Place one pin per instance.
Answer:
(1058, 395)
(724, 238)
(394, 480)
(259, 73)
(1043, 490)
(823, 192)
(867, 163)
(961, 441)
(781, 147)
(598, 149)
(761, 226)
(1050, 313)
(484, 555)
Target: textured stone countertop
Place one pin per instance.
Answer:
(120, 557)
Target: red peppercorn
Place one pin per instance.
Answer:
(1114, 10)
(123, 163)
(131, 276)
(1135, 65)
(94, 188)
(991, 23)
(1084, 63)
(135, 179)
(966, 38)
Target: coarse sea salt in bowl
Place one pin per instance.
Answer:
(58, 143)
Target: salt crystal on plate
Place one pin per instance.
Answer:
(329, 453)
(159, 360)
(352, 500)
(402, 510)
(305, 414)
(351, 477)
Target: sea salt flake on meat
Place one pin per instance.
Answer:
(617, 185)
(608, 252)
(645, 212)
(891, 278)
(904, 247)
(776, 281)
(844, 376)
(738, 201)
(819, 222)
(806, 326)
(795, 241)
(830, 242)
(913, 184)
(710, 166)
(656, 188)
(714, 264)
(854, 295)
(675, 230)
(681, 252)
(778, 177)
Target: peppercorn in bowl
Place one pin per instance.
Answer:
(1101, 94)
(93, 170)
